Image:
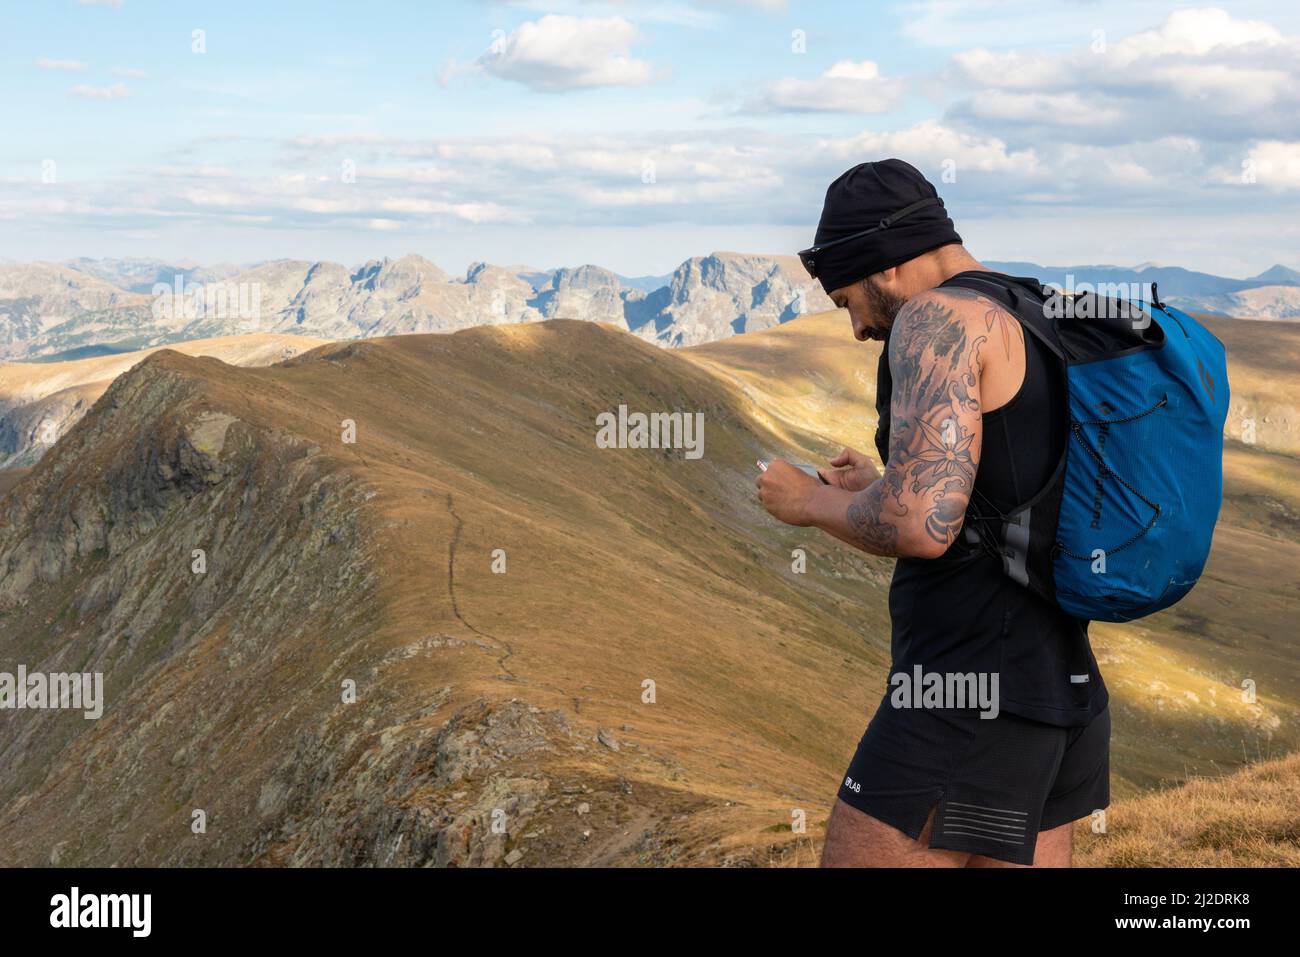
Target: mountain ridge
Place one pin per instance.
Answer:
(48, 311)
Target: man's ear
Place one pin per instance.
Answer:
(887, 279)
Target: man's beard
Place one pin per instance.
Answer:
(884, 307)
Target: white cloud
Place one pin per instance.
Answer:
(72, 66)
(700, 181)
(682, 13)
(1195, 33)
(1012, 70)
(1275, 165)
(848, 70)
(847, 87)
(1152, 122)
(1200, 73)
(117, 91)
(480, 212)
(1064, 109)
(558, 53)
(931, 144)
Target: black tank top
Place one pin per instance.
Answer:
(960, 613)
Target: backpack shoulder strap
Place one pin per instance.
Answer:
(1023, 296)
(1023, 538)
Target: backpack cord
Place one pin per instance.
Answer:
(988, 538)
(1164, 400)
(1076, 429)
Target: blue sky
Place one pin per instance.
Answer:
(635, 135)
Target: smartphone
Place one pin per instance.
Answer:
(809, 469)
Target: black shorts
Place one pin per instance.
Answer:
(997, 782)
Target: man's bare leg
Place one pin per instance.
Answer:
(1055, 848)
(855, 839)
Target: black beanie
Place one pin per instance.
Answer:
(859, 200)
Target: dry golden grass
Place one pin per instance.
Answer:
(1247, 819)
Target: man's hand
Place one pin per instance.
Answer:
(786, 492)
(852, 471)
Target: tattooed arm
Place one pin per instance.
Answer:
(916, 508)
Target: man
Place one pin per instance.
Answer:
(972, 426)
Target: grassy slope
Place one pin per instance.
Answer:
(630, 565)
(1246, 819)
(623, 565)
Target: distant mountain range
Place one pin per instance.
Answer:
(1273, 294)
(93, 307)
(86, 307)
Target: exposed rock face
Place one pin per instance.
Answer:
(455, 797)
(713, 297)
(587, 292)
(98, 557)
(28, 429)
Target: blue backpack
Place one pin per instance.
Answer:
(1123, 527)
